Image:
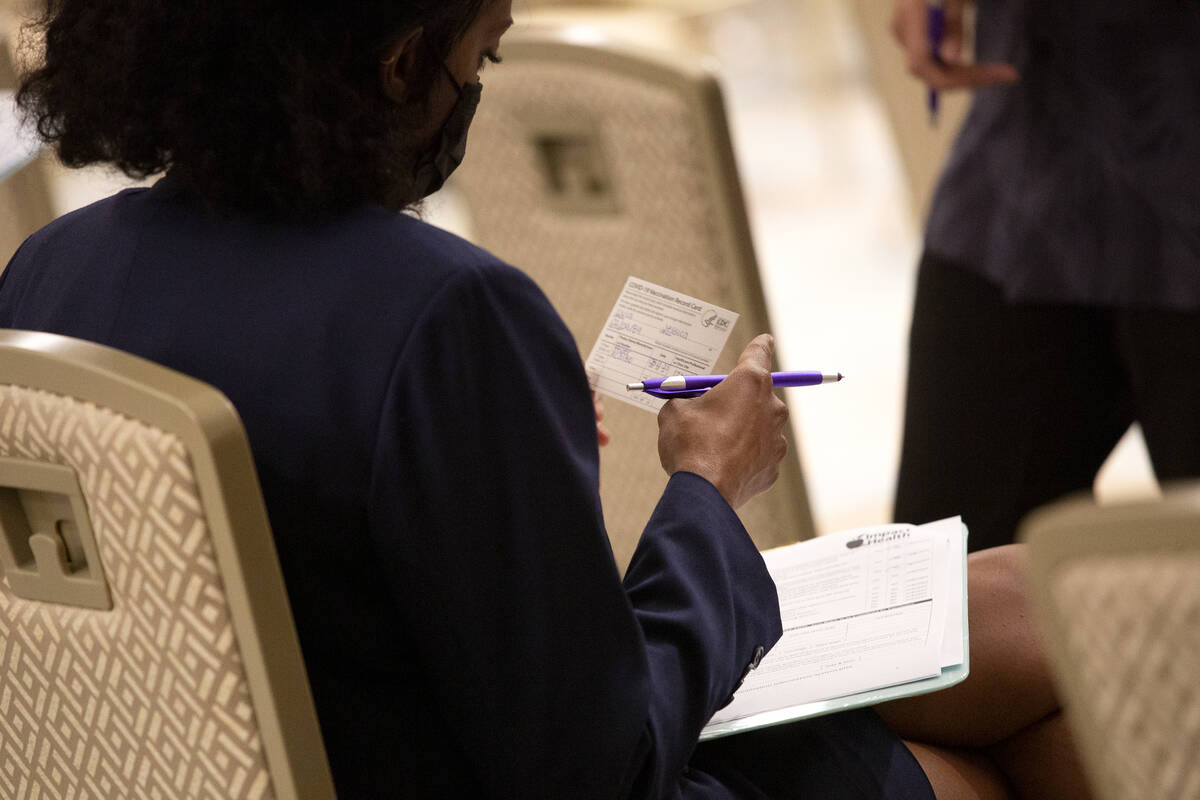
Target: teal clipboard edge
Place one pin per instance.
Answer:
(948, 677)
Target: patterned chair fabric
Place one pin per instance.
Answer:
(150, 698)
(151, 694)
(1134, 639)
(590, 164)
(1119, 595)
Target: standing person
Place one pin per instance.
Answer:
(423, 431)
(1058, 296)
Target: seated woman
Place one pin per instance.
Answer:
(424, 434)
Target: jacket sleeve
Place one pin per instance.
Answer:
(558, 680)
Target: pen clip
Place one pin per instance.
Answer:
(669, 394)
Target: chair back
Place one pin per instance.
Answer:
(146, 644)
(1117, 591)
(593, 162)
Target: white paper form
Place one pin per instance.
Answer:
(655, 332)
(862, 609)
(953, 647)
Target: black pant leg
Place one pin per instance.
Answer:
(851, 755)
(1008, 406)
(1161, 353)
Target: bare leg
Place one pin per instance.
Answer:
(960, 775)
(1009, 687)
(1041, 761)
(1007, 709)
(1038, 762)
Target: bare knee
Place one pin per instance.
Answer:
(998, 573)
(1010, 685)
(998, 604)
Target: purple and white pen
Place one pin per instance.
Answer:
(936, 21)
(696, 385)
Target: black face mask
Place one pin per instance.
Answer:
(435, 166)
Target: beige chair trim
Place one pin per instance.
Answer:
(205, 421)
(1073, 530)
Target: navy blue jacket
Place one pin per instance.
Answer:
(423, 432)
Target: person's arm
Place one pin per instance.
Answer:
(949, 70)
(555, 680)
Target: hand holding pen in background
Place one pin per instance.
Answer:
(937, 33)
(931, 36)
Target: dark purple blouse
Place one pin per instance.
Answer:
(1081, 183)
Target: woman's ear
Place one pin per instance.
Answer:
(395, 69)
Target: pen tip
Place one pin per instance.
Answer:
(840, 376)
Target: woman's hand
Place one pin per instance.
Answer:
(732, 435)
(910, 27)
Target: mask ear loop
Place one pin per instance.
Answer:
(458, 88)
(389, 63)
(453, 81)
(432, 170)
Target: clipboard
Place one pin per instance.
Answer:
(948, 677)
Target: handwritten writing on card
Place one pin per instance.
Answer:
(653, 332)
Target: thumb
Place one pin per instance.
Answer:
(758, 352)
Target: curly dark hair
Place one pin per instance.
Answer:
(268, 106)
